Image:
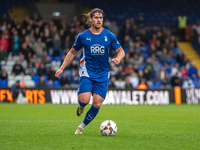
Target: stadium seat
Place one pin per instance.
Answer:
(35, 78)
(58, 58)
(29, 83)
(56, 83)
(168, 70)
(3, 83)
(157, 84)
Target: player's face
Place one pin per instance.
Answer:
(97, 20)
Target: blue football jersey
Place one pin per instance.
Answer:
(94, 61)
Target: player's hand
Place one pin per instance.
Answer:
(115, 61)
(58, 73)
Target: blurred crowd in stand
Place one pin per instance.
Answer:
(153, 57)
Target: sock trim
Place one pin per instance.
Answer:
(82, 104)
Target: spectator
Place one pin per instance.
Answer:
(4, 18)
(47, 63)
(134, 80)
(74, 65)
(182, 23)
(162, 74)
(51, 74)
(141, 23)
(26, 51)
(42, 82)
(138, 59)
(15, 21)
(42, 70)
(62, 35)
(187, 83)
(163, 55)
(112, 82)
(173, 41)
(107, 23)
(120, 84)
(144, 36)
(15, 43)
(183, 71)
(23, 33)
(114, 28)
(4, 40)
(148, 77)
(149, 65)
(48, 40)
(131, 52)
(128, 69)
(153, 40)
(3, 75)
(30, 70)
(31, 37)
(137, 48)
(23, 62)
(44, 55)
(64, 80)
(17, 69)
(15, 90)
(128, 42)
(3, 54)
(175, 80)
(141, 76)
(127, 29)
(165, 83)
(120, 73)
(152, 50)
(158, 46)
(56, 45)
(180, 56)
(154, 31)
(56, 20)
(74, 79)
(25, 21)
(74, 20)
(128, 84)
(153, 58)
(156, 66)
(193, 71)
(50, 84)
(167, 45)
(38, 47)
(175, 69)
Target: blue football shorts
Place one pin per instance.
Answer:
(87, 85)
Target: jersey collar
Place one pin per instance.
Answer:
(96, 33)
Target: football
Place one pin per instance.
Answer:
(108, 128)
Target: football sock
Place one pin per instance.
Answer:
(82, 126)
(82, 104)
(90, 115)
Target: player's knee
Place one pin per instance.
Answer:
(97, 104)
(83, 98)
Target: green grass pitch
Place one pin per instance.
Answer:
(145, 127)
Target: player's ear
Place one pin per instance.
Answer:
(90, 19)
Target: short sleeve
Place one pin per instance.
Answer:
(114, 43)
(77, 45)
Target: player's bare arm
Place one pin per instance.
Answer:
(69, 57)
(119, 57)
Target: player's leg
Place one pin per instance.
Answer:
(99, 94)
(93, 111)
(84, 94)
(91, 114)
(83, 100)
